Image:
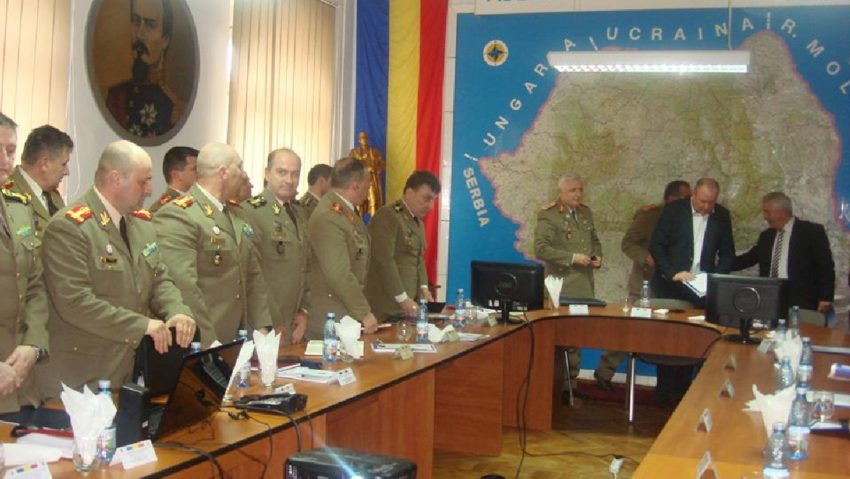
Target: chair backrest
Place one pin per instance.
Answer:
(812, 317)
(670, 303)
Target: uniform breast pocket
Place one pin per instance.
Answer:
(154, 267)
(108, 276)
(215, 256)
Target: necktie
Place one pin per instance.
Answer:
(777, 254)
(122, 227)
(288, 207)
(51, 207)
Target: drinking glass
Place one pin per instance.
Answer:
(824, 405)
(404, 330)
(84, 454)
(627, 305)
(268, 372)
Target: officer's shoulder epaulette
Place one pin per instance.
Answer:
(336, 207)
(233, 204)
(142, 214)
(79, 214)
(165, 198)
(549, 206)
(257, 201)
(9, 185)
(15, 196)
(184, 201)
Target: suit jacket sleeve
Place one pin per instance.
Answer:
(177, 240)
(660, 244)
(596, 245)
(726, 245)
(544, 237)
(824, 265)
(65, 253)
(383, 232)
(751, 257)
(332, 259)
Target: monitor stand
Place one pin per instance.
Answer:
(744, 337)
(506, 310)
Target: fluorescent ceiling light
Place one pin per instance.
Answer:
(653, 61)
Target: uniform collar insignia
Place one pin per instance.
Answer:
(276, 208)
(104, 218)
(208, 209)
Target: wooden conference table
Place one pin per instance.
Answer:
(459, 399)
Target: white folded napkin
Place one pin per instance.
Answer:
(773, 407)
(793, 348)
(553, 286)
(19, 454)
(348, 331)
(437, 335)
(245, 354)
(90, 414)
(267, 347)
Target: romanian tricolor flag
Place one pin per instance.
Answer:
(400, 65)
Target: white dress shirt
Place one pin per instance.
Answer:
(700, 221)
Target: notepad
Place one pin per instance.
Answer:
(381, 347)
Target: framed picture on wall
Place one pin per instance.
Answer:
(143, 62)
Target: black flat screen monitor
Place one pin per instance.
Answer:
(507, 286)
(737, 301)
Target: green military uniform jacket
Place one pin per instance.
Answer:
(635, 245)
(282, 245)
(102, 295)
(339, 262)
(308, 204)
(41, 216)
(170, 195)
(23, 317)
(215, 265)
(397, 258)
(557, 237)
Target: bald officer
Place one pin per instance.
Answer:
(108, 283)
(566, 241)
(23, 317)
(280, 235)
(44, 163)
(210, 250)
(397, 276)
(339, 251)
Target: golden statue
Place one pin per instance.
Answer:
(373, 160)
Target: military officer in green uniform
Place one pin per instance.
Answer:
(565, 240)
(635, 245)
(179, 167)
(280, 235)
(339, 251)
(108, 283)
(318, 183)
(23, 317)
(397, 276)
(215, 263)
(44, 163)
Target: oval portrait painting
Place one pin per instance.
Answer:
(142, 59)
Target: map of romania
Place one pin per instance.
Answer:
(630, 134)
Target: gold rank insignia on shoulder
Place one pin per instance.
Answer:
(548, 206)
(165, 198)
(104, 218)
(184, 201)
(142, 214)
(336, 207)
(79, 214)
(14, 196)
(208, 209)
(257, 201)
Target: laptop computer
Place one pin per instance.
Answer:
(158, 372)
(198, 392)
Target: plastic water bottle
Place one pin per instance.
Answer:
(776, 453)
(805, 369)
(794, 322)
(779, 333)
(644, 302)
(799, 426)
(242, 335)
(195, 347)
(422, 322)
(785, 378)
(106, 440)
(330, 347)
(459, 317)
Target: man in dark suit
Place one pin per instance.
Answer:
(794, 249)
(687, 226)
(693, 235)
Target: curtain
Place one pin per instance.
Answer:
(34, 60)
(282, 82)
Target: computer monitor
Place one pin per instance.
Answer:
(507, 286)
(737, 301)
